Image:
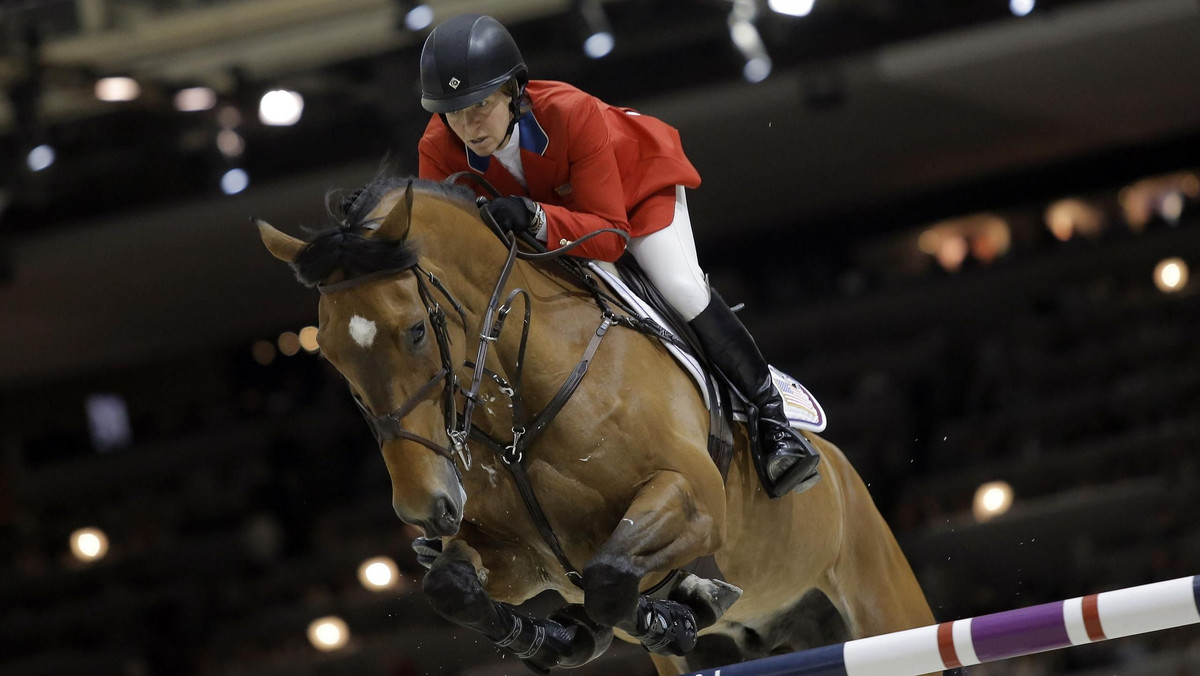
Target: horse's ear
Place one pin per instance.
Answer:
(281, 245)
(396, 224)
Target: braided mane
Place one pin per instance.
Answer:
(347, 246)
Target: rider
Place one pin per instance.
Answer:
(572, 165)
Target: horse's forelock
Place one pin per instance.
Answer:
(351, 252)
(347, 247)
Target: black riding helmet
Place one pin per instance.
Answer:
(465, 59)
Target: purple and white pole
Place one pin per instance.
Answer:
(990, 638)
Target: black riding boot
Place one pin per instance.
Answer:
(786, 460)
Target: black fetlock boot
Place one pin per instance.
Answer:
(786, 461)
(539, 643)
(665, 627)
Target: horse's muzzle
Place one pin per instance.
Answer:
(445, 517)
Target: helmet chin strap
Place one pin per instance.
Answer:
(514, 114)
(514, 107)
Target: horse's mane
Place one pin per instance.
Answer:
(345, 246)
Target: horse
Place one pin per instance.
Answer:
(619, 480)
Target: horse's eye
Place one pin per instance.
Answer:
(416, 333)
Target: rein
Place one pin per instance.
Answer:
(539, 253)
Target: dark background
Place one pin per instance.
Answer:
(249, 493)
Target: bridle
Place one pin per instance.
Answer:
(389, 426)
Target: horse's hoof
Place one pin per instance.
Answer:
(590, 641)
(708, 599)
(610, 591)
(453, 589)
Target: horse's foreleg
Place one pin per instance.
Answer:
(453, 588)
(665, 527)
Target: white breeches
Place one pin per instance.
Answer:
(669, 258)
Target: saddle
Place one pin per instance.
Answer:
(726, 405)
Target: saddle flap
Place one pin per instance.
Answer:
(803, 410)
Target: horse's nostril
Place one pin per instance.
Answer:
(443, 518)
(447, 510)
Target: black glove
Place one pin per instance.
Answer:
(517, 214)
(427, 550)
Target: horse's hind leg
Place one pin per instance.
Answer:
(666, 526)
(871, 582)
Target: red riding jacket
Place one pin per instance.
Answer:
(589, 164)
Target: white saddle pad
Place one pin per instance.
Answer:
(803, 410)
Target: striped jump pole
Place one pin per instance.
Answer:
(990, 638)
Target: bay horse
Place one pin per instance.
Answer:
(618, 482)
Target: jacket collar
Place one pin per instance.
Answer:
(530, 135)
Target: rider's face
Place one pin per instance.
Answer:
(483, 126)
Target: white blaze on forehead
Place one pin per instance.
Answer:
(362, 331)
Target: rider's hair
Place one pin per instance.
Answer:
(521, 104)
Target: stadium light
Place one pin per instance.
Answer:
(89, 544)
(234, 181)
(991, 500)
(195, 99)
(308, 339)
(379, 573)
(117, 89)
(1171, 275)
(1021, 7)
(40, 157)
(230, 143)
(746, 38)
(599, 42)
(328, 633)
(280, 108)
(792, 7)
(289, 343)
(419, 17)
(263, 352)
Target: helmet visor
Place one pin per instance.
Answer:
(451, 102)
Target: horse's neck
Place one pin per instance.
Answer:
(470, 256)
(463, 254)
(469, 260)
